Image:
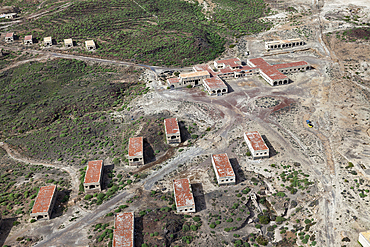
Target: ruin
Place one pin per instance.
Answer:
(9, 37)
(256, 145)
(123, 233)
(48, 41)
(283, 44)
(8, 15)
(90, 45)
(215, 86)
(44, 202)
(28, 40)
(172, 131)
(364, 239)
(93, 176)
(68, 43)
(223, 169)
(136, 151)
(185, 79)
(183, 196)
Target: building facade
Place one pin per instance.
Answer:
(93, 176)
(183, 196)
(48, 41)
(283, 44)
(28, 40)
(136, 151)
(172, 130)
(9, 37)
(256, 145)
(90, 45)
(44, 203)
(223, 169)
(68, 43)
(123, 233)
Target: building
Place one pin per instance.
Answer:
(90, 45)
(48, 41)
(136, 151)
(223, 169)
(283, 44)
(8, 15)
(256, 145)
(123, 234)
(233, 63)
(183, 196)
(185, 79)
(68, 43)
(364, 239)
(93, 176)
(215, 86)
(172, 131)
(28, 40)
(9, 37)
(44, 202)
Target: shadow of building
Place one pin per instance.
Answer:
(199, 198)
(239, 173)
(272, 151)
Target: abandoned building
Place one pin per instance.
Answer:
(183, 196)
(48, 41)
(215, 86)
(233, 63)
(256, 145)
(28, 40)
(68, 43)
(283, 44)
(223, 169)
(364, 239)
(185, 79)
(44, 202)
(8, 15)
(90, 45)
(123, 233)
(136, 151)
(9, 37)
(93, 176)
(172, 131)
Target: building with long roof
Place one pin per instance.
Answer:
(223, 169)
(256, 145)
(123, 234)
(172, 130)
(183, 196)
(44, 202)
(136, 151)
(93, 176)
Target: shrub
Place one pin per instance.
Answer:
(116, 161)
(307, 221)
(196, 218)
(279, 219)
(33, 220)
(264, 219)
(229, 220)
(280, 194)
(88, 197)
(193, 228)
(185, 228)
(194, 136)
(262, 241)
(212, 225)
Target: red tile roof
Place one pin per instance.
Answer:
(173, 80)
(223, 166)
(183, 195)
(93, 171)
(43, 199)
(28, 37)
(259, 62)
(256, 140)
(123, 235)
(8, 35)
(232, 62)
(205, 67)
(171, 126)
(226, 70)
(135, 146)
(289, 65)
(273, 74)
(214, 83)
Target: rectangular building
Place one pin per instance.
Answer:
(28, 40)
(44, 202)
(223, 169)
(136, 151)
(93, 176)
(193, 78)
(9, 37)
(183, 195)
(233, 63)
(215, 86)
(172, 131)
(123, 234)
(68, 43)
(256, 145)
(48, 41)
(283, 44)
(90, 45)
(364, 239)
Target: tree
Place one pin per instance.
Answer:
(262, 240)
(264, 219)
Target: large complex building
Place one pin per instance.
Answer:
(123, 235)
(364, 239)
(283, 44)
(183, 196)
(136, 151)
(44, 202)
(256, 145)
(9, 37)
(172, 131)
(223, 169)
(93, 176)
(233, 68)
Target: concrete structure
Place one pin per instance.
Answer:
(364, 239)
(48, 41)
(172, 131)
(8, 15)
(233, 63)
(90, 45)
(256, 145)
(136, 151)
(44, 202)
(185, 79)
(223, 169)
(93, 176)
(183, 196)
(68, 43)
(215, 86)
(9, 37)
(28, 40)
(123, 234)
(283, 44)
